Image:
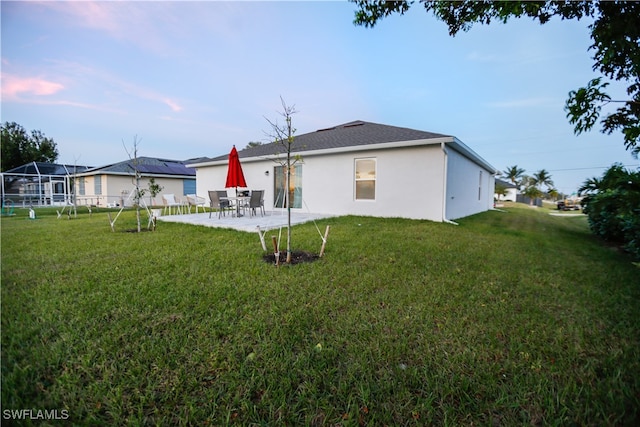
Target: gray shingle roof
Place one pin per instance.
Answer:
(148, 165)
(506, 184)
(350, 134)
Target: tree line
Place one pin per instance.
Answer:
(611, 202)
(19, 147)
(529, 185)
(615, 32)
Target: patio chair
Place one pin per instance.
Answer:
(169, 201)
(215, 202)
(194, 200)
(256, 201)
(233, 201)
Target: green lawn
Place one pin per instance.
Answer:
(510, 318)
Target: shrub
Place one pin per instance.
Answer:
(613, 207)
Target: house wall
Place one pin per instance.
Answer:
(117, 188)
(89, 197)
(470, 187)
(213, 178)
(173, 186)
(408, 182)
(510, 196)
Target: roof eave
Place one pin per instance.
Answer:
(336, 150)
(130, 174)
(378, 146)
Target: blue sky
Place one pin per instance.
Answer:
(191, 79)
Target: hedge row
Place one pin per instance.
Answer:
(612, 204)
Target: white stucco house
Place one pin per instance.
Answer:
(511, 191)
(113, 185)
(364, 168)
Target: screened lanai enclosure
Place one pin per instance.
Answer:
(39, 184)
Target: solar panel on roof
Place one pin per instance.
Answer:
(172, 169)
(151, 169)
(177, 170)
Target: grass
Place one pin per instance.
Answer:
(516, 318)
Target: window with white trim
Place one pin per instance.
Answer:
(97, 185)
(188, 186)
(480, 187)
(365, 179)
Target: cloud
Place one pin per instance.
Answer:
(135, 23)
(127, 88)
(85, 87)
(481, 57)
(173, 105)
(159, 27)
(14, 86)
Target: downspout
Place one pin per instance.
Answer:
(444, 186)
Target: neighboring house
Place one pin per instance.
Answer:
(364, 168)
(113, 185)
(39, 184)
(511, 191)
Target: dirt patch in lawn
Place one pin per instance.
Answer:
(297, 257)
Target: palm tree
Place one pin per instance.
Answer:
(590, 186)
(531, 189)
(542, 177)
(514, 174)
(615, 179)
(500, 190)
(612, 204)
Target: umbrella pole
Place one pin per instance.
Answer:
(237, 204)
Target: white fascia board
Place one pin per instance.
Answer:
(145, 175)
(81, 174)
(205, 164)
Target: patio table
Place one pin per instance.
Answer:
(238, 200)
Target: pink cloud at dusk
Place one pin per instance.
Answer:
(125, 21)
(98, 15)
(14, 86)
(174, 106)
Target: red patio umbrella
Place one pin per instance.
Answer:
(235, 177)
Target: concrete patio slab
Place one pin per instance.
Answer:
(270, 220)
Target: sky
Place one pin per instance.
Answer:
(192, 79)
